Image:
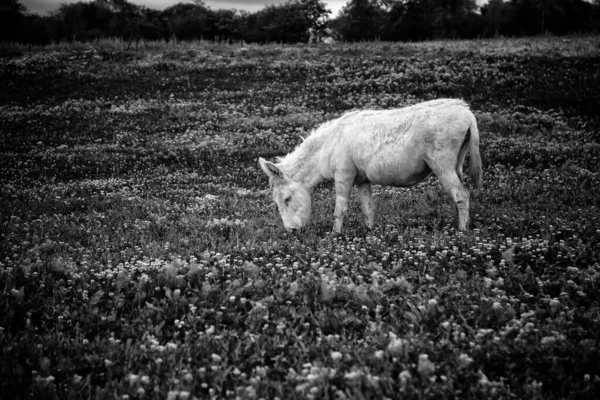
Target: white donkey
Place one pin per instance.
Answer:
(399, 147)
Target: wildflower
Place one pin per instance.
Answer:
(18, 294)
(425, 367)
(336, 355)
(144, 279)
(184, 395)
(404, 377)
(464, 361)
(132, 378)
(172, 395)
(483, 380)
(396, 346)
(432, 307)
(353, 375)
(554, 306)
(215, 358)
(171, 346)
(379, 354)
(250, 392)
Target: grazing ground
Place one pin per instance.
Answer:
(140, 257)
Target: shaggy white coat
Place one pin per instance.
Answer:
(398, 147)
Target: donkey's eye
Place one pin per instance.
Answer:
(287, 200)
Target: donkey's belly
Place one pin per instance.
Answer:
(401, 173)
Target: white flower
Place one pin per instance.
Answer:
(184, 395)
(132, 378)
(353, 375)
(464, 361)
(397, 346)
(404, 377)
(172, 395)
(425, 366)
(336, 355)
(171, 346)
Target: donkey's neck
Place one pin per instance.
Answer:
(302, 165)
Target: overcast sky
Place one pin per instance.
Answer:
(44, 6)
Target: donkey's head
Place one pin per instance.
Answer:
(291, 197)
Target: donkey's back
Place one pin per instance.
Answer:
(400, 147)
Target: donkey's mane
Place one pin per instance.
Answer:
(299, 160)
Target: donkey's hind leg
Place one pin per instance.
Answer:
(453, 185)
(365, 194)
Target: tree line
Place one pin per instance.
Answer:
(409, 20)
(299, 21)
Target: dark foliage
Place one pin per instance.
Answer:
(293, 21)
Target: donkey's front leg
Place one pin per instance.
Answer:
(365, 194)
(343, 187)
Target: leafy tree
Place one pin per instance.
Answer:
(411, 20)
(190, 21)
(291, 22)
(452, 17)
(39, 30)
(71, 24)
(315, 12)
(12, 20)
(363, 20)
(227, 25)
(530, 16)
(498, 15)
(594, 18)
(576, 16)
(288, 23)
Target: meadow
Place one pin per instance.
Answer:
(142, 258)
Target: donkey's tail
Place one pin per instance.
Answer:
(475, 166)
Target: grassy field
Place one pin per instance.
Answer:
(140, 257)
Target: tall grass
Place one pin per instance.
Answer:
(567, 46)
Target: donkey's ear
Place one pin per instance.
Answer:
(270, 169)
